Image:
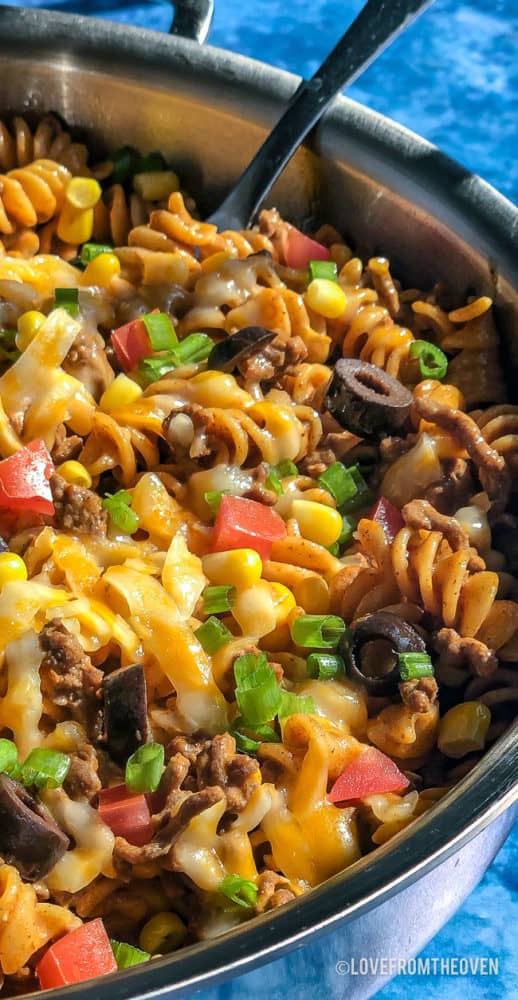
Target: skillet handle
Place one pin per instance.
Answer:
(192, 19)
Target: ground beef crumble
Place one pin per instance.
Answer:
(77, 508)
(68, 678)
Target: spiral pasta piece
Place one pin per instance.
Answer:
(21, 145)
(25, 924)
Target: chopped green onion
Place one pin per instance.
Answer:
(144, 768)
(126, 955)
(8, 756)
(348, 529)
(213, 634)
(160, 331)
(325, 666)
(339, 482)
(247, 664)
(213, 499)
(125, 162)
(323, 269)
(294, 704)
(273, 482)
(285, 468)
(318, 631)
(250, 740)
(361, 497)
(239, 890)
(413, 666)
(257, 693)
(122, 516)
(45, 768)
(218, 599)
(89, 251)
(67, 298)
(150, 163)
(195, 348)
(433, 362)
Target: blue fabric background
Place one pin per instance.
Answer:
(452, 78)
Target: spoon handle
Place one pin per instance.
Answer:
(375, 27)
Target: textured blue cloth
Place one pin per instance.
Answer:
(453, 78)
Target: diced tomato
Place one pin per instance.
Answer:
(372, 773)
(79, 955)
(246, 524)
(25, 480)
(131, 343)
(388, 516)
(126, 813)
(300, 249)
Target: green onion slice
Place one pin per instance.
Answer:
(144, 768)
(122, 516)
(258, 694)
(160, 331)
(363, 495)
(89, 251)
(218, 599)
(8, 756)
(433, 362)
(125, 162)
(126, 955)
(317, 631)
(273, 482)
(195, 348)
(239, 890)
(413, 666)
(285, 468)
(45, 768)
(294, 704)
(349, 525)
(249, 740)
(150, 163)
(213, 499)
(325, 666)
(339, 482)
(323, 269)
(67, 298)
(213, 634)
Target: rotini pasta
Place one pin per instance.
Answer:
(248, 536)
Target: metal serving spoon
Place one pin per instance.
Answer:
(375, 27)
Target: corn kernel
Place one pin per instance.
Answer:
(326, 298)
(75, 474)
(83, 192)
(283, 601)
(156, 185)
(101, 270)
(12, 567)
(239, 568)
(317, 522)
(75, 226)
(121, 392)
(163, 933)
(28, 325)
(464, 729)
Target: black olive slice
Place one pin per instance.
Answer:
(29, 838)
(226, 355)
(365, 400)
(382, 626)
(125, 711)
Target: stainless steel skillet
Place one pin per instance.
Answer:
(208, 110)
